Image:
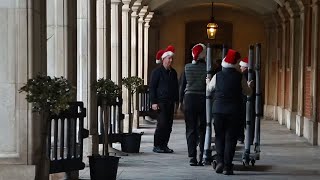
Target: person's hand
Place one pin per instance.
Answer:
(207, 80)
(250, 83)
(155, 107)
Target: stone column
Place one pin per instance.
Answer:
(103, 38)
(293, 10)
(23, 55)
(146, 46)
(313, 127)
(61, 35)
(142, 13)
(284, 21)
(116, 69)
(125, 51)
(86, 65)
(134, 15)
(134, 50)
(299, 117)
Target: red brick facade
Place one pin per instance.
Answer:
(307, 106)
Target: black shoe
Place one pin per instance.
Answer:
(229, 170)
(193, 161)
(158, 150)
(168, 150)
(219, 168)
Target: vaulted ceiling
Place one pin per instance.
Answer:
(166, 7)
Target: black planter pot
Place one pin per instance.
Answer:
(103, 167)
(130, 142)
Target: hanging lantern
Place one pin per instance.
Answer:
(212, 26)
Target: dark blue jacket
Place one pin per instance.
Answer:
(164, 86)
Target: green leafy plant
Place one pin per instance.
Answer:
(48, 94)
(132, 83)
(107, 89)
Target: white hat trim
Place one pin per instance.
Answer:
(158, 61)
(167, 53)
(243, 64)
(228, 65)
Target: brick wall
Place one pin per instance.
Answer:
(307, 94)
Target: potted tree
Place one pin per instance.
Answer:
(49, 96)
(131, 141)
(105, 166)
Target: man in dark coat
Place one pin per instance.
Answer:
(228, 86)
(164, 93)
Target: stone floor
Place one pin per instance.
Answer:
(284, 156)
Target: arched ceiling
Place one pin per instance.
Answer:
(166, 7)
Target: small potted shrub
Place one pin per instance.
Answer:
(49, 96)
(131, 141)
(105, 166)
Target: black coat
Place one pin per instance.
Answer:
(164, 86)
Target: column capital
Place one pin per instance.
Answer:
(302, 4)
(126, 5)
(142, 13)
(293, 8)
(115, 1)
(283, 14)
(135, 8)
(149, 17)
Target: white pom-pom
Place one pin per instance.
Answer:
(194, 62)
(158, 61)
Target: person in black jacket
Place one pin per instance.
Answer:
(228, 86)
(164, 94)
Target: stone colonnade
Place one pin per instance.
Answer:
(292, 67)
(81, 40)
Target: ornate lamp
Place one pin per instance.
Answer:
(212, 26)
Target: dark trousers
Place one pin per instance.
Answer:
(226, 128)
(164, 124)
(195, 118)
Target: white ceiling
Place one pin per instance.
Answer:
(166, 7)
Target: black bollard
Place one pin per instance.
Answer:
(249, 120)
(258, 104)
(207, 156)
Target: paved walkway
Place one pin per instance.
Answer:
(284, 156)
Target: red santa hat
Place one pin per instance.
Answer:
(244, 62)
(198, 52)
(231, 59)
(168, 52)
(158, 56)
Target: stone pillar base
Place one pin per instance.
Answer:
(125, 123)
(17, 172)
(299, 125)
(310, 131)
(270, 112)
(290, 118)
(280, 113)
